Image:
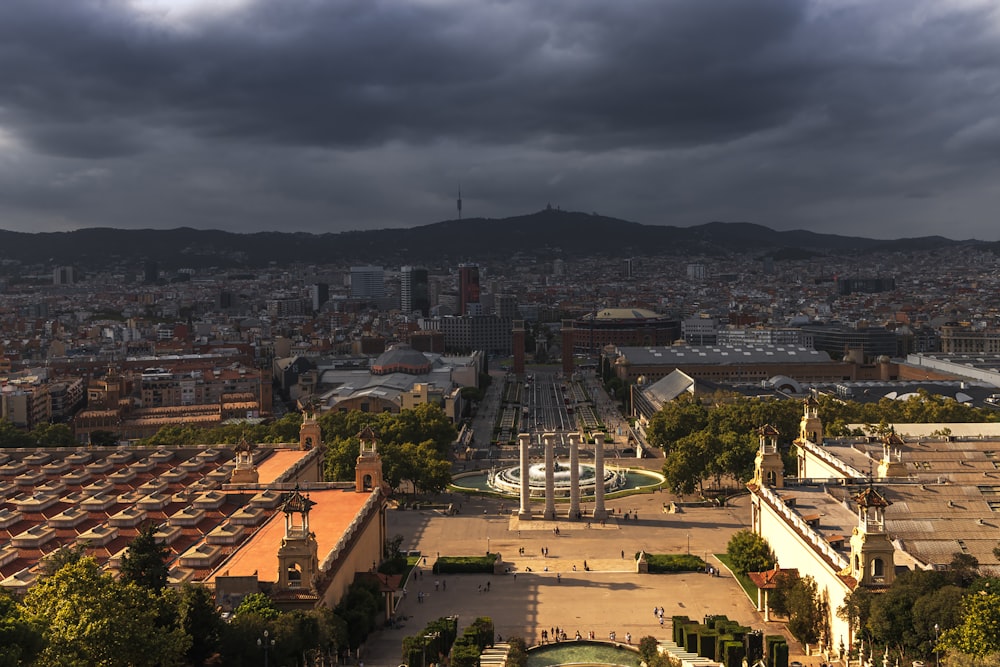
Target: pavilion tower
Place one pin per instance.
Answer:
(298, 560)
(871, 549)
(892, 464)
(245, 471)
(310, 433)
(811, 426)
(368, 471)
(769, 469)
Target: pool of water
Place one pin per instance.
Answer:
(634, 479)
(591, 653)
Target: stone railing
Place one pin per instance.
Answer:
(813, 538)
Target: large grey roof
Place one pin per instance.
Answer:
(678, 355)
(668, 388)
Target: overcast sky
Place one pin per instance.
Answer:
(876, 118)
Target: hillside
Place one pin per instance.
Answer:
(547, 233)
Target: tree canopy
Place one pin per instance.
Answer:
(89, 618)
(145, 562)
(749, 552)
(414, 445)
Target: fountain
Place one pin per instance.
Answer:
(508, 480)
(583, 653)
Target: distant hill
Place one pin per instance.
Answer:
(547, 233)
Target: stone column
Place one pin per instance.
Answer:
(574, 475)
(524, 513)
(599, 512)
(550, 477)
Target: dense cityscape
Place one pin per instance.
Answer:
(422, 333)
(139, 405)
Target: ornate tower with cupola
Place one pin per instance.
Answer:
(310, 434)
(871, 549)
(769, 469)
(892, 464)
(298, 559)
(245, 471)
(368, 471)
(811, 427)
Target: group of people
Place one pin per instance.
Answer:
(613, 636)
(658, 613)
(556, 635)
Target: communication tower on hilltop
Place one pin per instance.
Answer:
(459, 202)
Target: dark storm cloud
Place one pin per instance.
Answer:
(330, 115)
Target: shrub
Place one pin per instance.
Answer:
(749, 552)
(659, 563)
(465, 564)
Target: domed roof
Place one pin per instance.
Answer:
(401, 359)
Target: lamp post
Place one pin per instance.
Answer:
(937, 651)
(265, 645)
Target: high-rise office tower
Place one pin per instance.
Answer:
(505, 305)
(367, 282)
(150, 271)
(413, 290)
(468, 286)
(63, 275)
(319, 293)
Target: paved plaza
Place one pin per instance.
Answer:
(555, 591)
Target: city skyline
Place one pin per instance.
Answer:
(859, 119)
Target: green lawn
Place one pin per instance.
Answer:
(748, 586)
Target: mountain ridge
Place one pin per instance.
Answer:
(546, 233)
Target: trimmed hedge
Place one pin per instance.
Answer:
(659, 563)
(434, 642)
(465, 564)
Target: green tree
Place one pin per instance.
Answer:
(257, 604)
(856, 610)
(12, 436)
(677, 419)
(687, 462)
(963, 569)
(648, 648)
(749, 552)
(20, 640)
(414, 445)
(145, 562)
(806, 611)
(196, 614)
(53, 435)
(103, 438)
(899, 616)
(978, 633)
(61, 557)
(88, 618)
(359, 608)
(517, 655)
(778, 599)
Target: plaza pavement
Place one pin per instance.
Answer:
(609, 597)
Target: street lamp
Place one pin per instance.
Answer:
(937, 651)
(265, 645)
